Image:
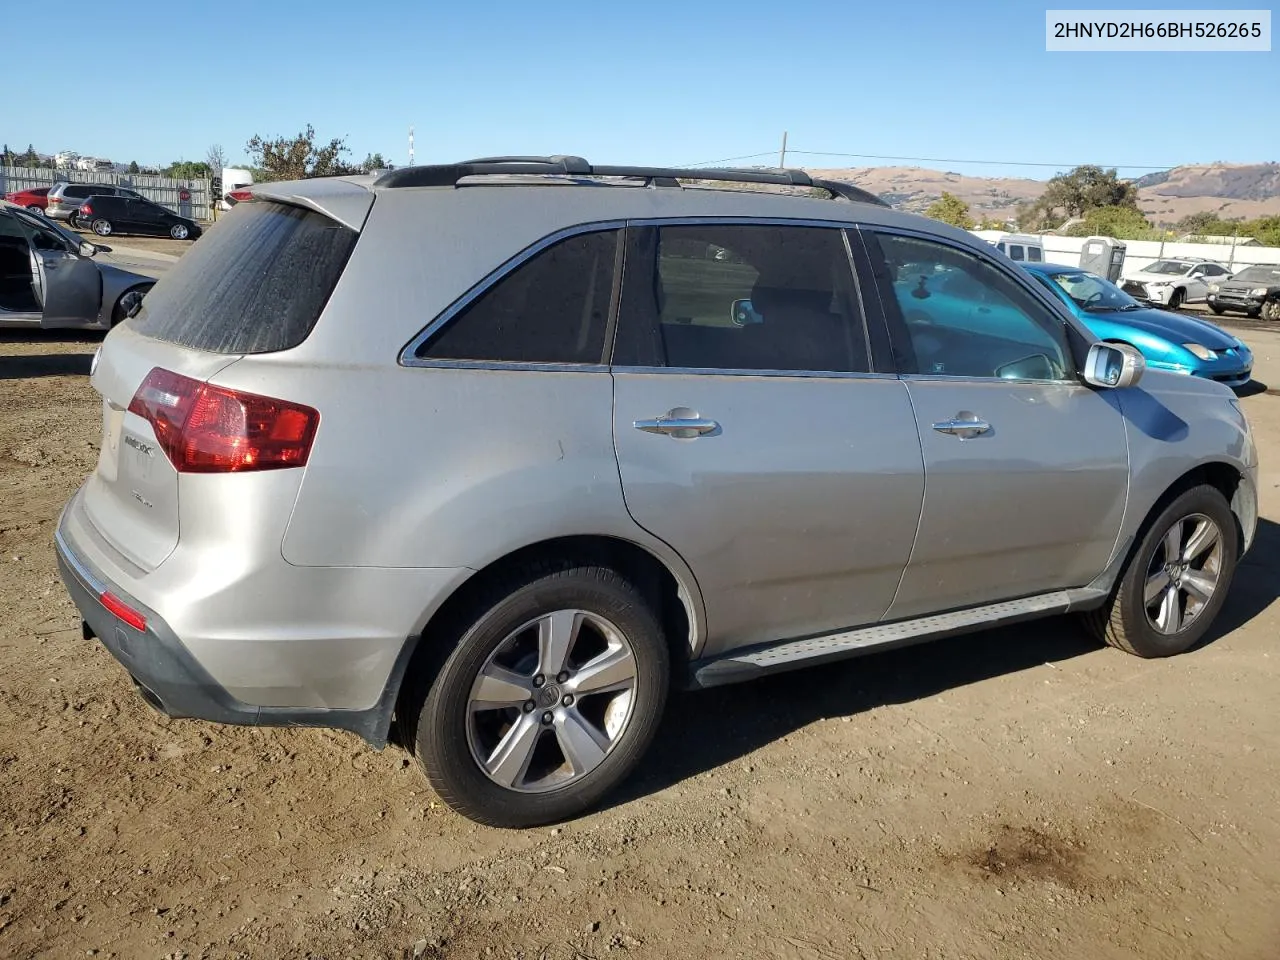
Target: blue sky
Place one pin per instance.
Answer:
(661, 82)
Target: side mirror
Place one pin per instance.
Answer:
(88, 249)
(743, 314)
(1113, 365)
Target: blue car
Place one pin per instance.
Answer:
(1168, 341)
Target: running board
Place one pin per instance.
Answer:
(747, 664)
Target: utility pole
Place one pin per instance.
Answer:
(782, 156)
(411, 146)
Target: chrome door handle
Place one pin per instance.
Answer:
(681, 423)
(966, 427)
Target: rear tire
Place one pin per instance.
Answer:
(38, 211)
(179, 232)
(1167, 599)
(101, 227)
(507, 742)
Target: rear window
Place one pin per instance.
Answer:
(255, 284)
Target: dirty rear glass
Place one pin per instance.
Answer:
(255, 283)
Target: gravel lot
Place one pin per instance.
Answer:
(1011, 794)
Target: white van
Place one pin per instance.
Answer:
(233, 178)
(1021, 246)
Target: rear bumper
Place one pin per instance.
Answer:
(175, 679)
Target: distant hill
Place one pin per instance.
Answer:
(1228, 190)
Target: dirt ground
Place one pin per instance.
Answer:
(1011, 794)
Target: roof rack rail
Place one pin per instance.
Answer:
(449, 174)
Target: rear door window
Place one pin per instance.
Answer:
(553, 308)
(1034, 255)
(255, 285)
(741, 297)
(1016, 252)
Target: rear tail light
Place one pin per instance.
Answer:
(239, 196)
(86, 209)
(208, 429)
(11, 197)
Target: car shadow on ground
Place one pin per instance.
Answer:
(707, 729)
(45, 365)
(21, 366)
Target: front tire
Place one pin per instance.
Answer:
(179, 231)
(1176, 298)
(36, 209)
(1217, 310)
(1271, 310)
(550, 697)
(1176, 580)
(125, 305)
(101, 227)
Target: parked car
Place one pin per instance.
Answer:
(1254, 291)
(1168, 341)
(48, 277)
(1021, 247)
(65, 198)
(108, 215)
(35, 199)
(1174, 282)
(512, 499)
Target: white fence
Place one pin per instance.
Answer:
(1141, 253)
(187, 198)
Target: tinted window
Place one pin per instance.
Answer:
(961, 316)
(739, 297)
(1016, 252)
(553, 308)
(1033, 254)
(256, 284)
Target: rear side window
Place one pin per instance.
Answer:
(553, 308)
(1033, 254)
(1015, 252)
(256, 284)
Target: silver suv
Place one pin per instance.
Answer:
(505, 449)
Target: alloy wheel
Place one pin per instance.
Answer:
(552, 701)
(1183, 574)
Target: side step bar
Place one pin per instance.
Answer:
(750, 663)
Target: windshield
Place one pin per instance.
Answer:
(1091, 292)
(1177, 267)
(1267, 275)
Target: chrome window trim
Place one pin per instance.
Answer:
(78, 566)
(969, 378)
(407, 356)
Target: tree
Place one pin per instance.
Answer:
(1086, 188)
(187, 170)
(297, 158)
(374, 161)
(8, 158)
(992, 223)
(30, 158)
(216, 158)
(951, 209)
(1121, 222)
(133, 166)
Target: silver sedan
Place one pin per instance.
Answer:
(50, 279)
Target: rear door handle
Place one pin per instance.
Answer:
(680, 423)
(964, 425)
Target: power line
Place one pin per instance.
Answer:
(749, 156)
